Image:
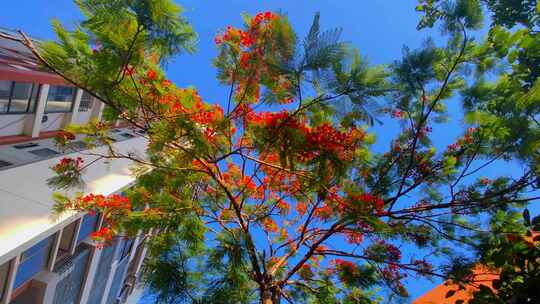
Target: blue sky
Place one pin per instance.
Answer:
(378, 28)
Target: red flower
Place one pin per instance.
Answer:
(129, 70)
(301, 208)
(485, 181)
(151, 74)
(245, 39)
(209, 133)
(102, 235)
(269, 15)
(65, 135)
(453, 147)
(178, 107)
(218, 40)
(270, 225)
(258, 19)
(397, 114)
(244, 59)
(343, 265)
(354, 237)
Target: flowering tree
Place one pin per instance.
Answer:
(276, 194)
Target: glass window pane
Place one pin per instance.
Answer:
(20, 96)
(5, 91)
(33, 98)
(88, 226)
(33, 260)
(60, 99)
(67, 238)
(36, 248)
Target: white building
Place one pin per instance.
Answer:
(44, 259)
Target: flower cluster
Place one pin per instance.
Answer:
(382, 250)
(68, 165)
(468, 138)
(373, 200)
(306, 272)
(397, 114)
(484, 181)
(301, 208)
(96, 202)
(245, 38)
(255, 50)
(423, 266)
(354, 237)
(345, 265)
(325, 138)
(261, 17)
(151, 75)
(319, 140)
(278, 120)
(391, 273)
(113, 207)
(64, 136)
(364, 202)
(347, 270)
(102, 236)
(174, 103)
(270, 225)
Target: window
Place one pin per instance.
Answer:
(125, 248)
(5, 92)
(33, 260)
(60, 99)
(17, 97)
(86, 102)
(4, 271)
(88, 225)
(65, 242)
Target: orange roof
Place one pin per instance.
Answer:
(482, 276)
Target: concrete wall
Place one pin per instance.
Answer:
(55, 121)
(83, 117)
(26, 187)
(13, 124)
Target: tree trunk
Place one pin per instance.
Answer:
(271, 296)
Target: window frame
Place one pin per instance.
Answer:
(125, 250)
(36, 87)
(44, 249)
(74, 96)
(69, 233)
(4, 283)
(93, 220)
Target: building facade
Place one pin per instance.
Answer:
(47, 258)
